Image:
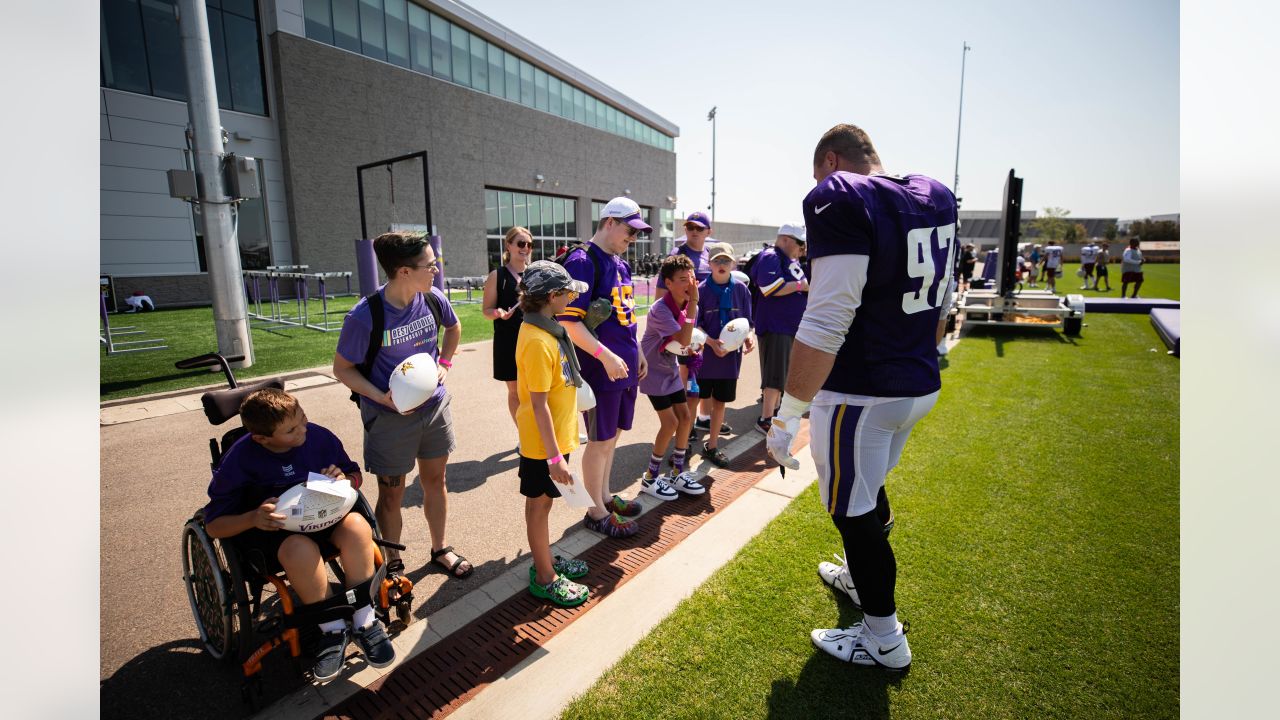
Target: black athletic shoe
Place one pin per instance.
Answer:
(763, 425)
(375, 645)
(705, 426)
(330, 656)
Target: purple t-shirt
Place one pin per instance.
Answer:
(407, 331)
(618, 332)
(715, 367)
(701, 261)
(664, 372)
(249, 473)
(907, 227)
(778, 314)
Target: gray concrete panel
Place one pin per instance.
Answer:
(124, 228)
(121, 154)
(151, 252)
(145, 132)
(111, 177)
(146, 107)
(142, 205)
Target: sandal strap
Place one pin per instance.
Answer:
(435, 554)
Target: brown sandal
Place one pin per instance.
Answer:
(453, 569)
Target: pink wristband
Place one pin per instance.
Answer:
(554, 460)
(448, 364)
(599, 349)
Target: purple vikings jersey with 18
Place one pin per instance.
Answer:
(907, 227)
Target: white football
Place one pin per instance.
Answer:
(586, 398)
(413, 382)
(740, 277)
(735, 333)
(695, 344)
(315, 505)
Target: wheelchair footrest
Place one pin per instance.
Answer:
(339, 606)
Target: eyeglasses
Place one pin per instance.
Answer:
(695, 228)
(429, 268)
(522, 244)
(566, 291)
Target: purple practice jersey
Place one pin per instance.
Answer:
(406, 332)
(715, 367)
(249, 473)
(663, 322)
(778, 313)
(618, 331)
(907, 227)
(701, 261)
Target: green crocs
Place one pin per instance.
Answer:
(571, 568)
(563, 592)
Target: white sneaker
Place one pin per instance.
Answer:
(687, 484)
(856, 645)
(657, 487)
(838, 577)
(582, 438)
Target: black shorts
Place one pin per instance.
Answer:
(1102, 269)
(775, 357)
(662, 402)
(724, 390)
(267, 544)
(535, 478)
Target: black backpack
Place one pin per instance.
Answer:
(378, 316)
(580, 245)
(747, 267)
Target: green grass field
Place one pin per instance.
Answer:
(1160, 281)
(190, 332)
(1037, 548)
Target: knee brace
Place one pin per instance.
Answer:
(871, 562)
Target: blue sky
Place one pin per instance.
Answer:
(1080, 97)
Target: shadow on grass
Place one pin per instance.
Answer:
(1004, 334)
(827, 687)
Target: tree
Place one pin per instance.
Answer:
(1053, 224)
(1110, 233)
(1155, 230)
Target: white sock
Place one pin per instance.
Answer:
(882, 627)
(333, 626)
(704, 418)
(363, 617)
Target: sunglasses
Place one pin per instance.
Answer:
(565, 291)
(695, 228)
(522, 244)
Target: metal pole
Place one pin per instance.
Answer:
(955, 186)
(221, 248)
(712, 117)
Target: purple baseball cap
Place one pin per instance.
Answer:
(626, 209)
(699, 218)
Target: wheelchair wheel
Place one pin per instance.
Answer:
(208, 592)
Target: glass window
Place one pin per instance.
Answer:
(522, 209)
(461, 56)
(579, 106)
(441, 48)
(346, 25)
(218, 43)
(504, 210)
(491, 212)
(164, 50)
(512, 64)
(252, 229)
(419, 39)
(244, 63)
(611, 120)
(593, 118)
(243, 8)
(373, 42)
(479, 64)
(540, 100)
(570, 218)
(548, 216)
(124, 54)
(496, 73)
(667, 223)
(397, 32)
(557, 212)
(553, 95)
(596, 207)
(319, 26)
(526, 83)
(535, 215)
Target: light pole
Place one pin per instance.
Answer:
(712, 117)
(955, 186)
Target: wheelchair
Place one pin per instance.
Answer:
(225, 585)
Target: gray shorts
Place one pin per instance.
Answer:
(393, 442)
(775, 355)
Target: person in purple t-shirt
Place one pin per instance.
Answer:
(602, 325)
(784, 290)
(279, 450)
(722, 299)
(395, 442)
(865, 365)
(670, 318)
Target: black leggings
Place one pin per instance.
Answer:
(871, 563)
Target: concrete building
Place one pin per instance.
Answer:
(313, 89)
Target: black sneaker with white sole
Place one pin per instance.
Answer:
(330, 656)
(375, 645)
(705, 426)
(763, 425)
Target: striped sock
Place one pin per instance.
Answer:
(677, 459)
(655, 465)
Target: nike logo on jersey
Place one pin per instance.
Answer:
(818, 210)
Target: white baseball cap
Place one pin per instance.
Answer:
(795, 230)
(624, 208)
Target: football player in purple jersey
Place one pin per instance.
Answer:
(865, 365)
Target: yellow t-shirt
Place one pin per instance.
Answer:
(542, 367)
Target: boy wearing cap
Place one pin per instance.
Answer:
(609, 355)
(722, 299)
(671, 318)
(547, 376)
(784, 291)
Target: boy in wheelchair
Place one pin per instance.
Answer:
(278, 451)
